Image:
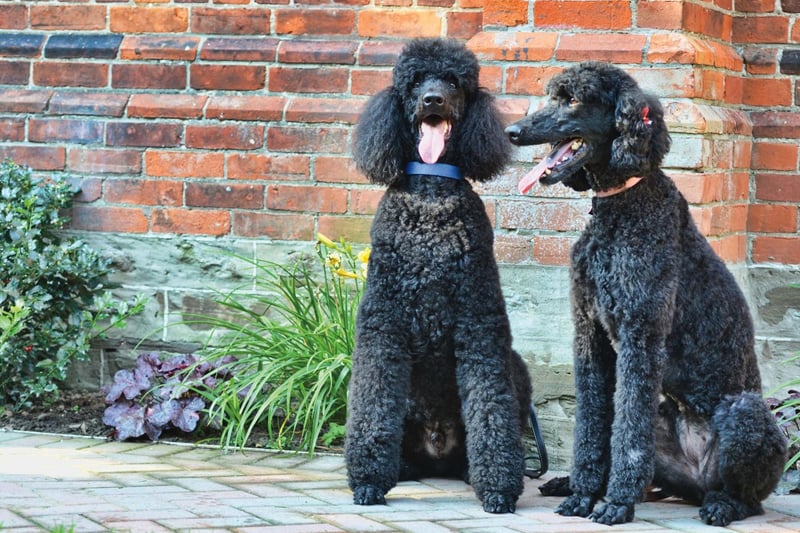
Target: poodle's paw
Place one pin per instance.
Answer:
(576, 505)
(368, 495)
(613, 513)
(558, 486)
(717, 513)
(497, 503)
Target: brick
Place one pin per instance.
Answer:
(226, 137)
(505, 13)
(160, 134)
(310, 21)
(755, 6)
(148, 76)
(776, 124)
(767, 218)
(785, 250)
(512, 249)
(660, 15)
(68, 17)
(516, 46)
(231, 195)
(419, 22)
(703, 20)
(60, 130)
(158, 47)
(305, 52)
(617, 48)
(88, 103)
(104, 161)
(337, 169)
(76, 45)
(23, 100)
(184, 164)
(354, 229)
(230, 21)
(529, 80)
(728, 219)
(730, 248)
(21, 44)
(790, 6)
(268, 167)
(778, 187)
(767, 92)
(378, 53)
(70, 74)
(227, 77)
(323, 110)
(761, 30)
(613, 15)
(365, 201)
(678, 48)
(12, 129)
(274, 225)
(307, 198)
(14, 72)
(90, 189)
(144, 192)
(308, 79)
(108, 219)
(774, 156)
(790, 62)
(148, 19)
(166, 105)
(543, 214)
(191, 221)
(13, 16)
(264, 108)
(760, 60)
(463, 25)
(551, 250)
(512, 109)
(699, 188)
(369, 82)
(239, 49)
(305, 139)
(36, 157)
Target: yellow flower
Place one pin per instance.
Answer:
(363, 255)
(364, 270)
(334, 260)
(345, 273)
(326, 241)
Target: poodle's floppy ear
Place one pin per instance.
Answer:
(643, 141)
(482, 145)
(380, 147)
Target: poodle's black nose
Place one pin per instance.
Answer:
(433, 98)
(513, 132)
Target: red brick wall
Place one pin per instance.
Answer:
(233, 117)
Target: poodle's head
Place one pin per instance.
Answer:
(434, 112)
(604, 129)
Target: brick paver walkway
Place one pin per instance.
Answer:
(51, 482)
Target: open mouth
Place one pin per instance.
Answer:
(434, 131)
(566, 156)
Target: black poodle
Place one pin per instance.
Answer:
(435, 388)
(667, 384)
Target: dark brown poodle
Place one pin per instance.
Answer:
(668, 387)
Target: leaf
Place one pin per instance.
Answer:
(128, 383)
(186, 417)
(127, 418)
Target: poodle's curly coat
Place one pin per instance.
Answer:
(433, 357)
(667, 383)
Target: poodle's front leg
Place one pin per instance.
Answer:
(594, 388)
(379, 384)
(640, 360)
(494, 444)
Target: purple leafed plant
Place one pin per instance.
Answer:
(158, 395)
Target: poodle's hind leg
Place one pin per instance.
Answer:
(379, 386)
(752, 451)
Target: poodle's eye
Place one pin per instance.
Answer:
(572, 102)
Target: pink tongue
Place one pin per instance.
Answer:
(431, 144)
(529, 179)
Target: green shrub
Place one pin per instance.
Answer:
(284, 365)
(53, 301)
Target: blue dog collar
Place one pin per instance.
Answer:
(443, 170)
